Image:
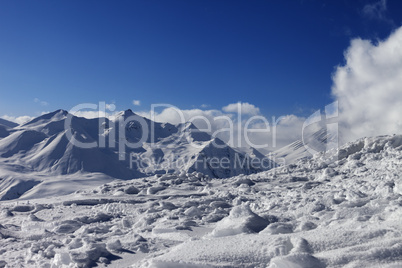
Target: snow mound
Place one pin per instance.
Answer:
(278, 228)
(241, 220)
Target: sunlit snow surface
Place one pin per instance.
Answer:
(321, 212)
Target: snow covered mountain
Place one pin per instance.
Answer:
(317, 141)
(340, 209)
(5, 127)
(4, 132)
(43, 144)
(253, 153)
(7, 123)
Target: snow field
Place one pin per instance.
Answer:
(315, 213)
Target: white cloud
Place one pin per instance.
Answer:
(175, 115)
(137, 102)
(243, 108)
(369, 88)
(18, 119)
(41, 102)
(111, 107)
(375, 10)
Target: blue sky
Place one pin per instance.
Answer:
(277, 55)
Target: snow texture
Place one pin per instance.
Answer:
(341, 209)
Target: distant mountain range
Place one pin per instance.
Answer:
(43, 144)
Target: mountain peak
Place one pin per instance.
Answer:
(126, 113)
(186, 126)
(56, 115)
(59, 112)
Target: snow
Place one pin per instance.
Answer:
(316, 139)
(43, 145)
(7, 124)
(292, 152)
(4, 132)
(338, 209)
(240, 220)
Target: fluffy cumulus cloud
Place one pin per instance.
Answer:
(17, 119)
(136, 102)
(369, 88)
(241, 107)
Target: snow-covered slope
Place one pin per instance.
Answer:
(6, 127)
(4, 132)
(266, 161)
(7, 123)
(42, 145)
(340, 209)
(317, 141)
(292, 152)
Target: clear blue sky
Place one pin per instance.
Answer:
(277, 55)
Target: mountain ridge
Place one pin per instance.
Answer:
(7, 123)
(45, 143)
